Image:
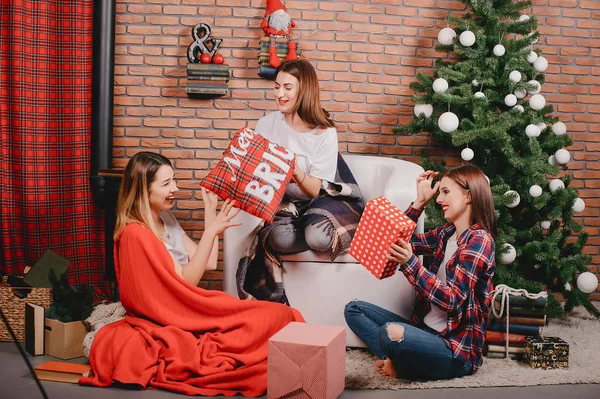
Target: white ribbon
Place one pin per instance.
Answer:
(505, 291)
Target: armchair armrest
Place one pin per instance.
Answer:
(235, 242)
(401, 188)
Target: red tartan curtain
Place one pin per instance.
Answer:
(45, 121)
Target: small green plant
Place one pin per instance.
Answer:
(69, 304)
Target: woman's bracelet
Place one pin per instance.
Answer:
(302, 181)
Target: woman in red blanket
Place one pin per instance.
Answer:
(176, 336)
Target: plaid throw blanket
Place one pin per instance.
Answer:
(259, 274)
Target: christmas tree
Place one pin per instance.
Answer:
(486, 100)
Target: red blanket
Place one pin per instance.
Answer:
(179, 337)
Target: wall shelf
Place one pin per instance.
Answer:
(207, 80)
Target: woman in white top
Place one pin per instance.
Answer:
(146, 196)
(302, 126)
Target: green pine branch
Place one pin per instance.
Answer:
(546, 258)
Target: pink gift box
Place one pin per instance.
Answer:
(381, 225)
(307, 361)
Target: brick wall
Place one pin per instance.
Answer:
(366, 54)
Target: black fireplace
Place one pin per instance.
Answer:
(104, 181)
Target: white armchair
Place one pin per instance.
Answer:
(321, 289)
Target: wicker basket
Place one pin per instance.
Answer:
(14, 308)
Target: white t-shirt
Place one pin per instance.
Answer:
(174, 235)
(315, 154)
(437, 318)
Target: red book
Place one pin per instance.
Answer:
(496, 336)
(62, 371)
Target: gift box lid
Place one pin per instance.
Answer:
(542, 341)
(308, 334)
(391, 212)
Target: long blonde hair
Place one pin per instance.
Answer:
(308, 107)
(134, 203)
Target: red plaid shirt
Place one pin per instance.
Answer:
(465, 296)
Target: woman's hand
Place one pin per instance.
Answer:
(210, 200)
(400, 252)
(424, 190)
(223, 220)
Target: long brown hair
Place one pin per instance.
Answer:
(308, 107)
(134, 194)
(471, 178)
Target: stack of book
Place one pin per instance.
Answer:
(526, 318)
(281, 43)
(204, 80)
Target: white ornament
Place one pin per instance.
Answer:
(524, 18)
(448, 122)
(551, 160)
(555, 185)
(587, 282)
(542, 126)
(535, 191)
(537, 266)
(509, 256)
(446, 36)
(499, 50)
(517, 199)
(423, 109)
(515, 76)
(467, 154)
(475, 82)
(467, 38)
(578, 205)
(519, 108)
(479, 94)
(559, 128)
(536, 89)
(440, 85)
(532, 57)
(545, 224)
(537, 102)
(534, 41)
(532, 131)
(567, 287)
(520, 93)
(562, 156)
(541, 64)
(487, 178)
(510, 100)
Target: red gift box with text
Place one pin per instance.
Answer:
(254, 172)
(381, 224)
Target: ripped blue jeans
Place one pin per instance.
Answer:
(421, 354)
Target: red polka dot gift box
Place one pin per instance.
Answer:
(381, 224)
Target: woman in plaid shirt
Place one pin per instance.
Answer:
(445, 334)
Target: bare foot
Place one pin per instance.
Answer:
(385, 368)
(388, 369)
(378, 364)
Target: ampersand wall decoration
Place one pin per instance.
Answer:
(203, 43)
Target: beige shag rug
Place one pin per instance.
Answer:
(580, 330)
